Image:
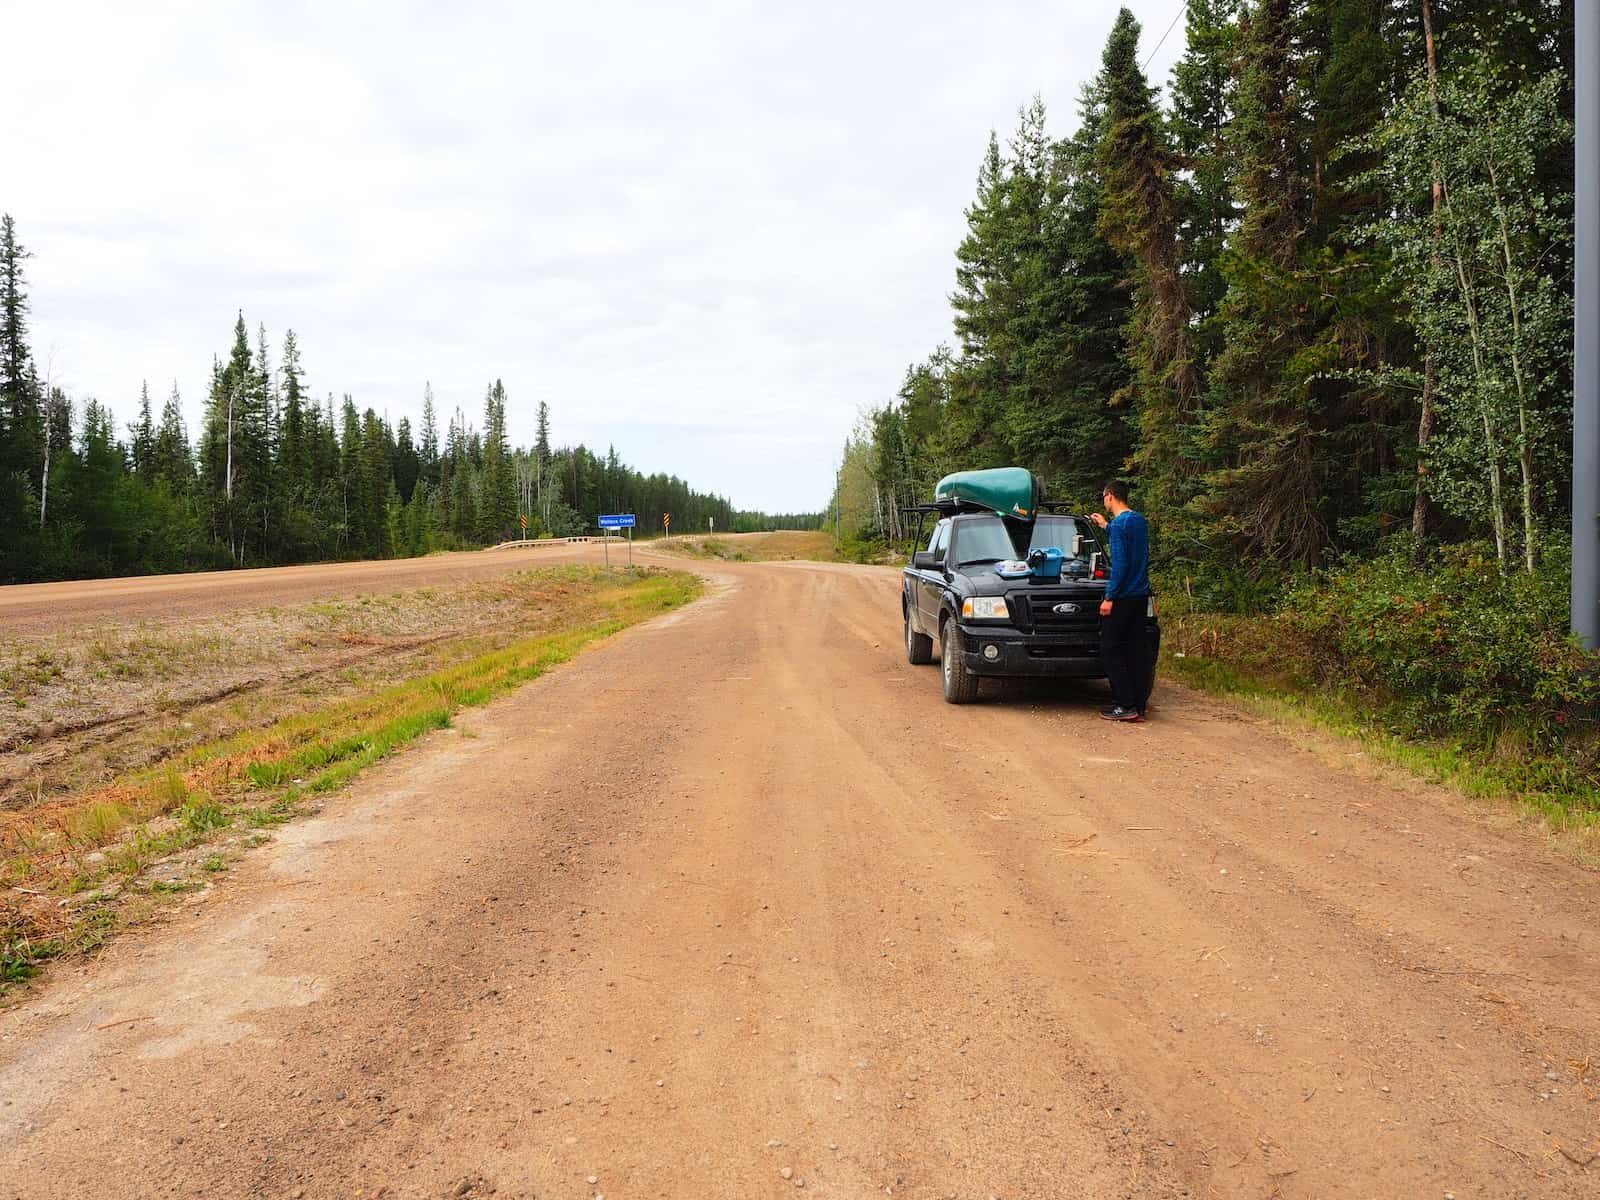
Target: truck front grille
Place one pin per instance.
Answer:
(1037, 610)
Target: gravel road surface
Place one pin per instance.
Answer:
(735, 905)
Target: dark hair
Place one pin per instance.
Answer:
(1116, 488)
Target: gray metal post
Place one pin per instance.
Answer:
(1586, 332)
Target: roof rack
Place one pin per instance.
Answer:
(952, 507)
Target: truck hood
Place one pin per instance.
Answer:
(982, 581)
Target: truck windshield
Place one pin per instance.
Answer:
(981, 540)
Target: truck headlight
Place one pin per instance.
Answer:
(985, 608)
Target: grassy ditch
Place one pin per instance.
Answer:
(73, 869)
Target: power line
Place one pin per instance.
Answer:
(1181, 7)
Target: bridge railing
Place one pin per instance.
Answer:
(535, 543)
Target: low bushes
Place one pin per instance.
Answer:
(1463, 648)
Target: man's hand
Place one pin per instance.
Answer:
(1105, 608)
(1098, 519)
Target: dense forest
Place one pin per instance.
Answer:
(1317, 295)
(1315, 302)
(279, 476)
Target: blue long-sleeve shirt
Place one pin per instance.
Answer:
(1130, 556)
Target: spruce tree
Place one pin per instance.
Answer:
(428, 447)
(21, 420)
(541, 454)
(1262, 496)
(407, 462)
(1138, 217)
(171, 458)
(1202, 106)
(984, 302)
(293, 454)
(497, 504)
(376, 481)
(354, 486)
(143, 435)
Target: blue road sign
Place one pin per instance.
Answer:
(617, 521)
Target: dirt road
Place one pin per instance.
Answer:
(736, 904)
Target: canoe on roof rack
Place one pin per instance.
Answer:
(1006, 491)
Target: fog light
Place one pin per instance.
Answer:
(991, 652)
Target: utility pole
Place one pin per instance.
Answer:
(838, 497)
(1586, 330)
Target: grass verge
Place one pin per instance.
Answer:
(72, 871)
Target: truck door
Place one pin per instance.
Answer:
(930, 585)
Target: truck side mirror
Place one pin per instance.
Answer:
(925, 560)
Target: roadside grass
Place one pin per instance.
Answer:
(1503, 772)
(147, 692)
(69, 870)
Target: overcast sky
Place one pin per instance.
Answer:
(708, 232)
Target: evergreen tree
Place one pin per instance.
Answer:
(1138, 217)
(1261, 496)
(407, 462)
(428, 450)
(143, 435)
(1034, 286)
(1202, 106)
(293, 453)
(354, 487)
(171, 458)
(376, 480)
(541, 454)
(497, 509)
(22, 447)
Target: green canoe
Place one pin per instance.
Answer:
(1009, 491)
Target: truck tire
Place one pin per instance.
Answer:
(960, 684)
(919, 646)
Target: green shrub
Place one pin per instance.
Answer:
(1460, 647)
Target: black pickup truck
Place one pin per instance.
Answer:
(988, 625)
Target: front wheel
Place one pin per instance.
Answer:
(960, 684)
(919, 646)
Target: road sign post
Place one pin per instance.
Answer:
(617, 521)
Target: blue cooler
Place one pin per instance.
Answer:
(1046, 563)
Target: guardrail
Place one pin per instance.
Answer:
(534, 543)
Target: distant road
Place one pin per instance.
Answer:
(40, 607)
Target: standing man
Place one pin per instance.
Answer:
(1124, 635)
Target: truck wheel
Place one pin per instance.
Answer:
(960, 684)
(919, 646)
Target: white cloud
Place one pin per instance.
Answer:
(709, 233)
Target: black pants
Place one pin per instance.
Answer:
(1125, 651)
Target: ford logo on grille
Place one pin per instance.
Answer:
(1065, 608)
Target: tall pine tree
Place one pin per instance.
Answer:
(1139, 217)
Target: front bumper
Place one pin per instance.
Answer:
(1059, 655)
(1030, 654)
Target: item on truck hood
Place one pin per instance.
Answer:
(1045, 562)
(1012, 568)
(1006, 491)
